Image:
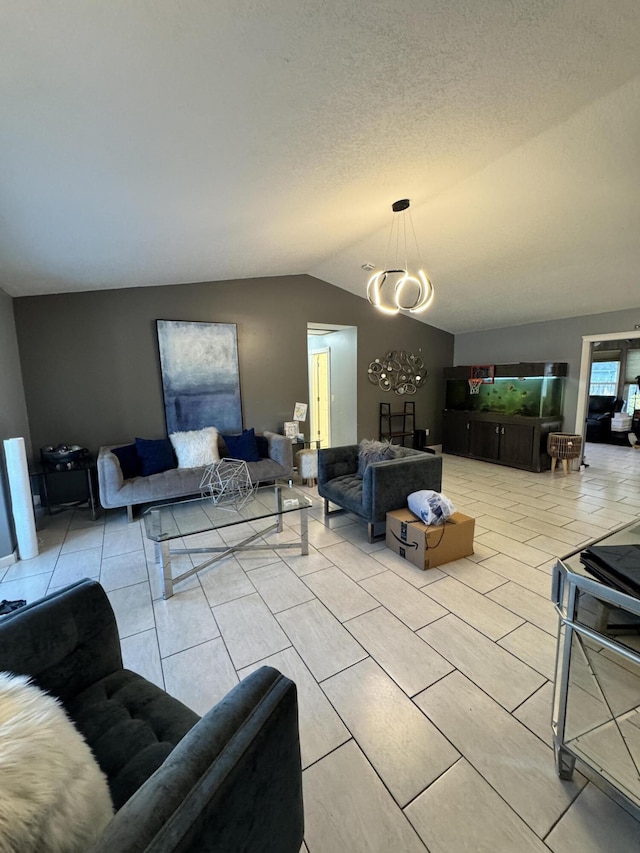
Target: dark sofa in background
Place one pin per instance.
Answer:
(228, 781)
(601, 410)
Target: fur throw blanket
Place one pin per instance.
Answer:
(53, 796)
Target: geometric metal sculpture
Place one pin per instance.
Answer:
(228, 483)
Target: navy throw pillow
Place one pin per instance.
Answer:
(243, 446)
(262, 444)
(155, 454)
(129, 461)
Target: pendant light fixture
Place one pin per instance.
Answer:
(397, 289)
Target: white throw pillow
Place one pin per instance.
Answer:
(196, 447)
(53, 796)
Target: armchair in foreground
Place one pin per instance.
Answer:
(229, 781)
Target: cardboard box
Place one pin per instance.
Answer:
(429, 546)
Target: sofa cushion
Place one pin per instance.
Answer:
(129, 461)
(262, 443)
(131, 725)
(156, 455)
(195, 448)
(243, 446)
(346, 491)
(373, 451)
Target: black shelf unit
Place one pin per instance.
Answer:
(398, 425)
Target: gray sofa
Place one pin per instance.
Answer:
(385, 486)
(228, 781)
(115, 491)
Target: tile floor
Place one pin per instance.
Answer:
(424, 696)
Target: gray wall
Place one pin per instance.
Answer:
(555, 340)
(13, 412)
(91, 368)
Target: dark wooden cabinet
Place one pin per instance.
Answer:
(517, 445)
(484, 440)
(455, 434)
(519, 442)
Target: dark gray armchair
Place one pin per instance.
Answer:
(229, 781)
(385, 486)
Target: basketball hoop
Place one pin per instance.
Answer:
(474, 386)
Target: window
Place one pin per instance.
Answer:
(604, 377)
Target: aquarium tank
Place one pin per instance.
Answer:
(531, 396)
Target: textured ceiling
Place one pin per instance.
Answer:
(148, 142)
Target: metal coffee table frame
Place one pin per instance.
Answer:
(162, 525)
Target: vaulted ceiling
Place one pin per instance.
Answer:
(149, 142)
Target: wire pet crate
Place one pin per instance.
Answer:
(563, 446)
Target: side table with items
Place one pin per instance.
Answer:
(596, 706)
(67, 486)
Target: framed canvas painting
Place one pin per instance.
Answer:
(200, 375)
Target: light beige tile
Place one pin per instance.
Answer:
(411, 663)
(480, 552)
(347, 808)
(497, 525)
(473, 574)
(225, 581)
(588, 528)
(133, 609)
(406, 570)
(43, 563)
(533, 646)
(505, 678)
(460, 811)
(535, 713)
(358, 534)
(122, 541)
(124, 570)
(513, 760)
(83, 539)
(510, 569)
(342, 596)
(352, 560)
(488, 617)
(519, 551)
(304, 564)
(595, 824)
(534, 608)
(562, 534)
(249, 630)
(279, 586)
(321, 729)
(76, 565)
(140, 654)
(29, 588)
(321, 641)
(321, 537)
(184, 620)
(200, 676)
(407, 603)
(407, 751)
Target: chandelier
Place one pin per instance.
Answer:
(396, 289)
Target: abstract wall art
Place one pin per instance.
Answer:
(200, 375)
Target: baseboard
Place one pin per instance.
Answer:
(9, 560)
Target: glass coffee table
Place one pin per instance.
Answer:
(166, 522)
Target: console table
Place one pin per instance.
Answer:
(596, 706)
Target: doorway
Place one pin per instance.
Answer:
(332, 359)
(585, 372)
